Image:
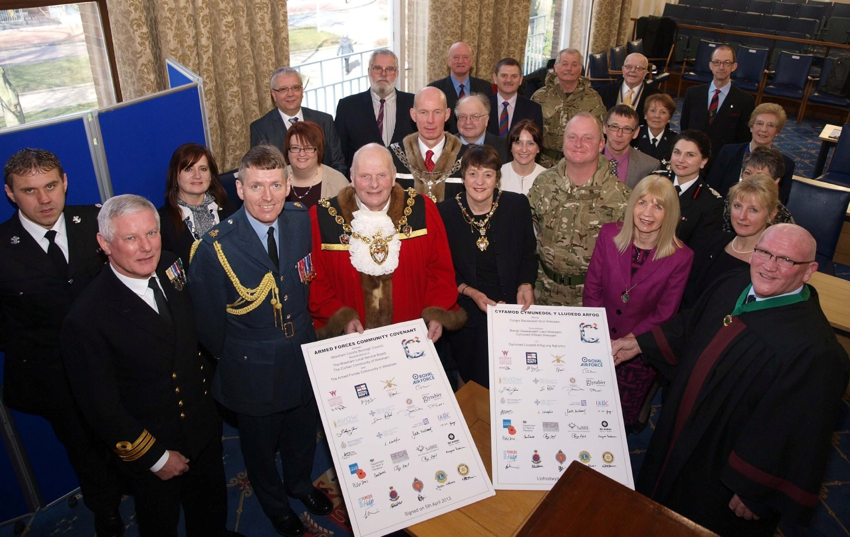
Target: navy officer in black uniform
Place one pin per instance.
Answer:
(249, 277)
(48, 255)
(129, 346)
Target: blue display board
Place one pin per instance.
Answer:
(176, 76)
(139, 138)
(69, 141)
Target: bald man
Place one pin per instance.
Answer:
(757, 378)
(630, 89)
(460, 82)
(431, 148)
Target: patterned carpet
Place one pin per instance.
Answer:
(832, 516)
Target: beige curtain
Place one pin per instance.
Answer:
(233, 45)
(493, 29)
(610, 25)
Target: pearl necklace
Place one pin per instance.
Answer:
(737, 251)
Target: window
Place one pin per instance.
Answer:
(54, 60)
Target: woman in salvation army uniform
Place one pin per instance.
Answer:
(494, 252)
(638, 272)
(195, 200)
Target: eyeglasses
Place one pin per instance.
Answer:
(763, 124)
(286, 89)
(377, 69)
(784, 262)
(634, 68)
(617, 128)
(724, 63)
(299, 149)
(467, 117)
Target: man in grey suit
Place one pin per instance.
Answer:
(473, 114)
(287, 91)
(627, 163)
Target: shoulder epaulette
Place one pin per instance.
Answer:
(194, 249)
(295, 206)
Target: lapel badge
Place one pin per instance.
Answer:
(230, 221)
(214, 233)
(15, 240)
(76, 219)
(298, 204)
(176, 275)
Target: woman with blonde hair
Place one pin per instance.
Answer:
(638, 273)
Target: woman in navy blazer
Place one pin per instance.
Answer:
(638, 273)
(498, 265)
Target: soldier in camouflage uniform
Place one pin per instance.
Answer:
(565, 94)
(569, 204)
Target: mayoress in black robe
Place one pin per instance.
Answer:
(750, 412)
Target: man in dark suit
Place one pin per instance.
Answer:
(719, 109)
(460, 83)
(380, 114)
(473, 114)
(630, 89)
(48, 255)
(287, 91)
(129, 346)
(249, 281)
(507, 107)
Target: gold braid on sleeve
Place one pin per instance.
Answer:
(194, 249)
(254, 297)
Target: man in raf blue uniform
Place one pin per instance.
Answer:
(249, 277)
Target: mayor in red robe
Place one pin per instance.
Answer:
(744, 435)
(380, 255)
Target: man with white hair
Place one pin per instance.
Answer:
(757, 379)
(287, 91)
(631, 88)
(473, 115)
(131, 353)
(371, 232)
(381, 114)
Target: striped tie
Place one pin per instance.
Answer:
(461, 93)
(712, 107)
(503, 120)
(381, 119)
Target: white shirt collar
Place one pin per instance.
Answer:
(367, 209)
(437, 149)
(137, 285)
(38, 231)
(286, 123)
(500, 100)
(684, 186)
(759, 299)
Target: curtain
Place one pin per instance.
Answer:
(493, 29)
(610, 25)
(233, 45)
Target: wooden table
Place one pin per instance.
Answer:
(834, 295)
(826, 141)
(583, 501)
(502, 514)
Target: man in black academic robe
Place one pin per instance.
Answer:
(744, 435)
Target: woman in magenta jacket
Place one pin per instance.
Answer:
(638, 273)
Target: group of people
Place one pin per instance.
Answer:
(567, 198)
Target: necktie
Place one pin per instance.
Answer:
(750, 298)
(55, 253)
(629, 97)
(161, 303)
(461, 93)
(293, 120)
(272, 245)
(654, 142)
(712, 107)
(503, 120)
(614, 167)
(429, 164)
(381, 118)
(678, 189)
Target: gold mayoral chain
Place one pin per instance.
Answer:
(255, 296)
(483, 242)
(429, 179)
(378, 244)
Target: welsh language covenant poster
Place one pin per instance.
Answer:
(553, 396)
(401, 448)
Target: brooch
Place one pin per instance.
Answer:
(214, 233)
(15, 240)
(76, 219)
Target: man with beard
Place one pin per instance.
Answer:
(380, 114)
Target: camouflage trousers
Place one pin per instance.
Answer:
(549, 293)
